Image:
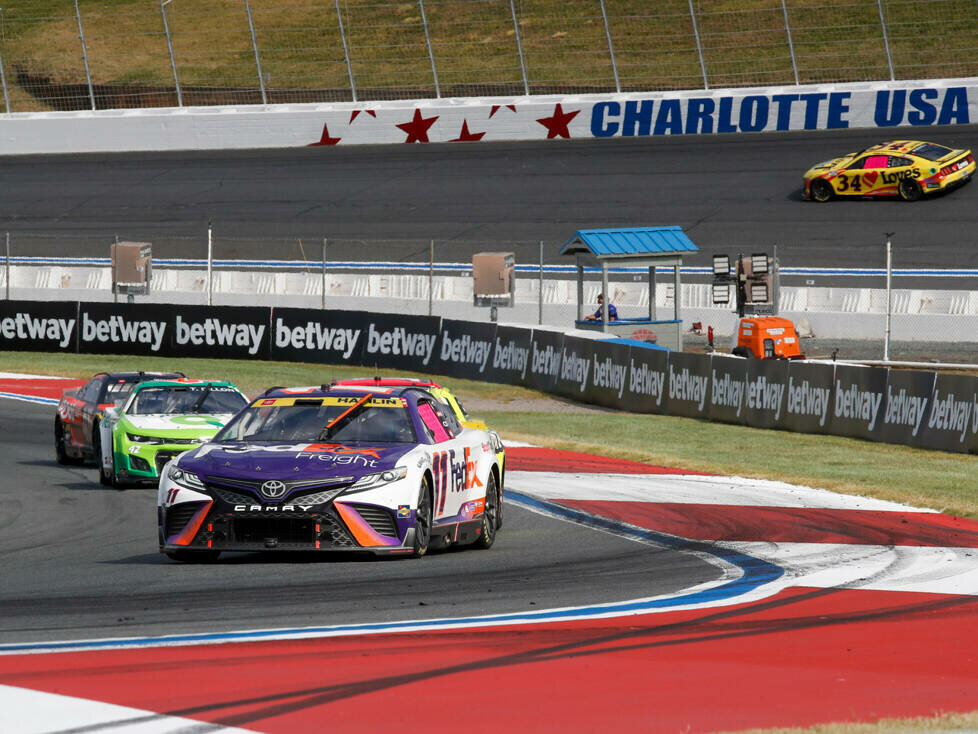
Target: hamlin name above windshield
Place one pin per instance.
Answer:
(759, 112)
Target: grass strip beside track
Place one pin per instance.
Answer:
(934, 479)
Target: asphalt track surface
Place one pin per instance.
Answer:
(730, 194)
(80, 561)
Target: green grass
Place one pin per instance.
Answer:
(565, 45)
(934, 479)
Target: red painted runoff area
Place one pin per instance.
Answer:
(802, 657)
(533, 458)
(39, 387)
(789, 524)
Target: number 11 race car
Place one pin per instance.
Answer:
(909, 169)
(387, 470)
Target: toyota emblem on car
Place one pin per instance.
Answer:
(273, 489)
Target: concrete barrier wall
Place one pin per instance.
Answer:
(881, 105)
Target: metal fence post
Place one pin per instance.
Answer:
(6, 267)
(210, 264)
(3, 79)
(254, 45)
(791, 44)
(324, 274)
(699, 45)
(346, 51)
(169, 45)
(519, 47)
(889, 298)
(540, 313)
(431, 277)
(611, 47)
(886, 40)
(431, 53)
(88, 72)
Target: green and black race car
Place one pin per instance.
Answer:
(160, 420)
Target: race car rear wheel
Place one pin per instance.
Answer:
(422, 520)
(821, 190)
(107, 478)
(910, 190)
(193, 556)
(60, 444)
(490, 515)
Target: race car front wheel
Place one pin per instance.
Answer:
(490, 516)
(821, 190)
(910, 190)
(422, 520)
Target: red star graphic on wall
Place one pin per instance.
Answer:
(326, 139)
(465, 136)
(557, 124)
(417, 129)
(356, 113)
(495, 108)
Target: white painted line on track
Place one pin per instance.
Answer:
(23, 711)
(690, 489)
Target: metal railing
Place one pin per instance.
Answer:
(76, 54)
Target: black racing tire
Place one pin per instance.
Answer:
(742, 352)
(910, 190)
(106, 478)
(490, 515)
(60, 438)
(193, 556)
(821, 190)
(423, 519)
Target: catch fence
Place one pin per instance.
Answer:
(82, 54)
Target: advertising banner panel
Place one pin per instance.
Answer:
(906, 407)
(858, 401)
(809, 397)
(764, 394)
(545, 355)
(609, 376)
(952, 424)
(728, 386)
(464, 349)
(224, 332)
(312, 335)
(645, 382)
(573, 377)
(42, 326)
(510, 355)
(400, 341)
(688, 385)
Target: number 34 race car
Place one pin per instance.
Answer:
(909, 169)
(388, 470)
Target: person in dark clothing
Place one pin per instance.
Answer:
(612, 311)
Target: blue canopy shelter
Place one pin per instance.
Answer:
(649, 247)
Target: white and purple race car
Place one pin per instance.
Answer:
(387, 470)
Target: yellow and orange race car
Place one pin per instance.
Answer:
(909, 169)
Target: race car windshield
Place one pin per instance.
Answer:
(304, 422)
(931, 151)
(186, 399)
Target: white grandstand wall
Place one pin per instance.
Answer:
(883, 105)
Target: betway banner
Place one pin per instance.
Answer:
(879, 105)
(914, 408)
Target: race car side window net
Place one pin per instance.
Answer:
(431, 422)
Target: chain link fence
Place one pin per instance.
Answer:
(83, 54)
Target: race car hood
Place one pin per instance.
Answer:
(292, 461)
(194, 425)
(829, 165)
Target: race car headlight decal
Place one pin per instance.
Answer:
(372, 481)
(136, 438)
(184, 478)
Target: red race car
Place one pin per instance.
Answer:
(76, 433)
